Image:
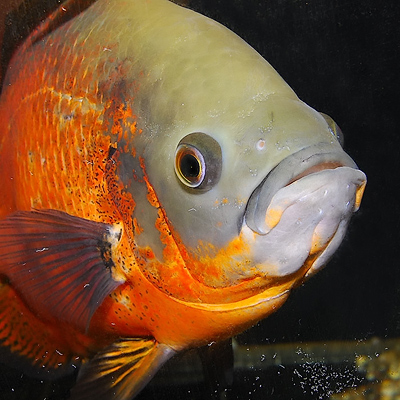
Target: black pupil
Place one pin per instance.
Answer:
(190, 167)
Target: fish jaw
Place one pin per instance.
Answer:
(303, 213)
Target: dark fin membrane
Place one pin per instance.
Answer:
(37, 18)
(60, 265)
(27, 343)
(121, 371)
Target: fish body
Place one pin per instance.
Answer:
(163, 187)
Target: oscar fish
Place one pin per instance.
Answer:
(162, 188)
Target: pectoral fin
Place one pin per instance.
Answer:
(120, 371)
(61, 265)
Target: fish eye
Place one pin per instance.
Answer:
(334, 128)
(190, 165)
(198, 161)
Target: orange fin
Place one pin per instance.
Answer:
(27, 343)
(121, 371)
(59, 264)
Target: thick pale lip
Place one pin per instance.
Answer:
(304, 162)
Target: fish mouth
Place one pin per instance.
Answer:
(300, 164)
(302, 208)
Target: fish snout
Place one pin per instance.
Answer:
(302, 209)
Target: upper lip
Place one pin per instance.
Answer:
(304, 162)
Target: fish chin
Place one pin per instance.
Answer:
(305, 222)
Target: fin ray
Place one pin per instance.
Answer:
(122, 370)
(56, 262)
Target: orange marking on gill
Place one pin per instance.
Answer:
(172, 274)
(123, 200)
(137, 227)
(122, 121)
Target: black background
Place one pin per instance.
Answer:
(342, 58)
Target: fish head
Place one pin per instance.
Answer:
(247, 189)
(262, 203)
(254, 205)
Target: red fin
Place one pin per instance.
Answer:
(121, 371)
(29, 344)
(60, 265)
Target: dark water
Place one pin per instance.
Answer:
(342, 58)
